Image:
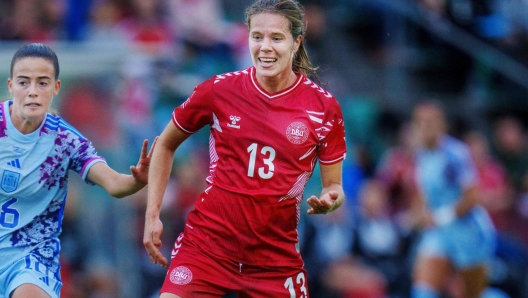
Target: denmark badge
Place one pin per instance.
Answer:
(9, 181)
(297, 133)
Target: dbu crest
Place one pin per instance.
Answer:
(9, 181)
(297, 132)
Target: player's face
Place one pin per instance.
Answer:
(32, 86)
(272, 46)
(429, 123)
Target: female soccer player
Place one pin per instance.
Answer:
(37, 149)
(461, 236)
(269, 124)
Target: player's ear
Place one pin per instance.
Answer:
(297, 43)
(10, 85)
(57, 87)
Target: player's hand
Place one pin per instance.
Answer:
(140, 171)
(323, 205)
(152, 241)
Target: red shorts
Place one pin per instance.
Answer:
(195, 273)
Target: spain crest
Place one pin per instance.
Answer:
(9, 181)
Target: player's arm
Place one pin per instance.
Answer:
(332, 195)
(448, 213)
(467, 178)
(468, 201)
(121, 185)
(162, 160)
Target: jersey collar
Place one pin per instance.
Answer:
(252, 72)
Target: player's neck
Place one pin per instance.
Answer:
(278, 83)
(24, 126)
(432, 144)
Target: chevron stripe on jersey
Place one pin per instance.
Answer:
(55, 123)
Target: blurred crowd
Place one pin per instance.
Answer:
(367, 248)
(364, 249)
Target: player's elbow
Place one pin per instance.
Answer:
(118, 195)
(115, 189)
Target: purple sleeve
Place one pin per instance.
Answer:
(84, 158)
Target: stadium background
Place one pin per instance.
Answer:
(125, 64)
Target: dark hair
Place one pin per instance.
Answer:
(36, 50)
(294, 12)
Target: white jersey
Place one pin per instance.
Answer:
(33, 185)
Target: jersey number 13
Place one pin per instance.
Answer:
(267, 154)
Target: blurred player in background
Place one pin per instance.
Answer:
(269, 125)
(460, 236)
(37, 149)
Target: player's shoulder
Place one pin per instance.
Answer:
(229, 77)
(315, 96)
(453, 143)
(308, 85)
(57, 125)
(229, 80)
(455, 146)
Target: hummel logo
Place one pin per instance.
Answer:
(14, 163)
(234, 120)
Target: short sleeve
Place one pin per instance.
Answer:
(196, 111)
(332, 147)
(84, 158)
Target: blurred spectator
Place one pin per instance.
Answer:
(352, 279)
(362, 125)
(365, 255)
(199, 22)
(353, 179)
(32, 20)
(316, 25)
(368, 25)
(495, 192)
(88, 108)
(396, 172)
(136, 95)
(104, 16)
(380, 242)
(511, 150)
(147, 29)
(52, 17)
(326, 240)
(76, 21)
(476, 16)
(205, 35)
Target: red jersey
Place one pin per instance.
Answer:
(263, 149)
